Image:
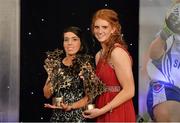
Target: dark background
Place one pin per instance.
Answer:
(42, 22)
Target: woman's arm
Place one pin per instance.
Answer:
(48, 89)
(157, 48)
(81, 103)
(76, 105)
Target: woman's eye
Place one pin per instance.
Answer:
(105, 27)
(66, 39)
(75, 39)
(96, 27)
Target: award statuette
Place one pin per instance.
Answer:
(90, 106)
(57, 101)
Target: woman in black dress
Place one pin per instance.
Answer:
(71, 76)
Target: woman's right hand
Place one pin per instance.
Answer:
(92, 113)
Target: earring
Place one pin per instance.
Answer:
(122, 36)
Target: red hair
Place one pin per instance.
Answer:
(112, 18)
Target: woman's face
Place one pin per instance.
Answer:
(71, 43)
(102, 30)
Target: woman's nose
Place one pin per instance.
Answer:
(100, 30)
(70, 42)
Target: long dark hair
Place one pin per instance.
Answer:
(77, 31)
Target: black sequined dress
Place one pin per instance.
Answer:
(68, 84)
(70, 94)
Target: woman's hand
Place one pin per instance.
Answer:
(62, 106)
(52, 106)
(92, 113)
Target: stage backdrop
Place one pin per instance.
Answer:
(151, 15)
(42, 23)
(9, 60)
(39, 26)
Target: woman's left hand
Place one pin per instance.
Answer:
(52, 106)
(62, 106)
(92, 113)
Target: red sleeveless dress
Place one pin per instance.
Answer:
(123, 113)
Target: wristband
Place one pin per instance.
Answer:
(110, 110)
(165, 32)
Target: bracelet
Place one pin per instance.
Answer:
(110, 108)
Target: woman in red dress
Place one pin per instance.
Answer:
(114, 68)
